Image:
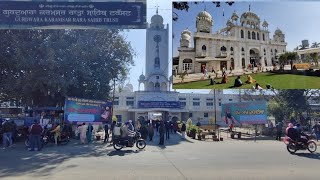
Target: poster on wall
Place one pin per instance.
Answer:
(57, 15)
(87, 110)
(251, 113)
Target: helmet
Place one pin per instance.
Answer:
(130, 121)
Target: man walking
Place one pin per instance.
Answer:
(7, 129)
(161, 132)
(106, 133)
(35, 136)
(279, 130)
(316, 129)
(167, 130)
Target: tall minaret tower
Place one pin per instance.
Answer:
(157, 59)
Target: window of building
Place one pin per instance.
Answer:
(242, 34)
(130, 97)
(157, 87)
(219, 103)
(116, 97)
(263, 37)
(230, 99)
(158, 77)
(219, 99)
(204, 48)
(243, 63)
(264, 51)
(253, 35)
(116, 103)
(205, 115)
(209, 103)
(224, 49)
(258, 36)
(231, 49)
(190, 115)
(209, 99)
(157, 63)
(249, 35)
(182, 99)
(183, 104)
(271, 52)
(196, 99)
(196, 103)
(275, 51)
(119, 118)
(130, 103)
(187, 64)
(242, 51)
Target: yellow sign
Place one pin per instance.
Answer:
(302, 66)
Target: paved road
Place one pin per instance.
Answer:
(178, 160)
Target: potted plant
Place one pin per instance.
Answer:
(193, 131)
(199, 131)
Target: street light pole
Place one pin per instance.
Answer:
(114, 90)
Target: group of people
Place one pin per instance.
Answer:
(85, 133)
(127, 130)
(250, 80)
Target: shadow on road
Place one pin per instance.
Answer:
(309, 155)
(122, 152)
(18, 161)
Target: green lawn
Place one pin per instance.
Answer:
(278, 81)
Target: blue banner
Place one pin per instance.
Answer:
(159, 104)
(19, 14)
(254, 112)
(86, 110)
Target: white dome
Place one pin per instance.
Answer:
(204, 15)
(250, 15)
(278, 31)
(265, 23)
(157, 20)
(186, 34)
(142, 77)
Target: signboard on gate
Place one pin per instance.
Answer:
(87, 110)
(21, 14)
(254, 112)
(159, 104)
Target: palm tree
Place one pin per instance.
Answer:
(315, 45)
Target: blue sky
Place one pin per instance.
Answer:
(297, 19)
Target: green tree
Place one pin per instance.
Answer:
(315, 45)
(42, 67)
(315, 57)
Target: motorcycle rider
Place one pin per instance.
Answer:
(295, 133)
(127, 134)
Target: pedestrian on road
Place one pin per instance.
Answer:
(83, 131)
(279, 130)
(183, 130)
(157, 125)
(35, 136)
(151, 131)
(57, 133)
(89, 133)
(7, 129)
(162, 130)
(106, 133)
(168, 127)
(316, 129)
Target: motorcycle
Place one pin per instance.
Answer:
(294, 146)
(119, 143)
(48, 137)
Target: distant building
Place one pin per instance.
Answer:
(237, 45)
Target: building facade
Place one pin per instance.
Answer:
(242, 42)
(156, 98)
